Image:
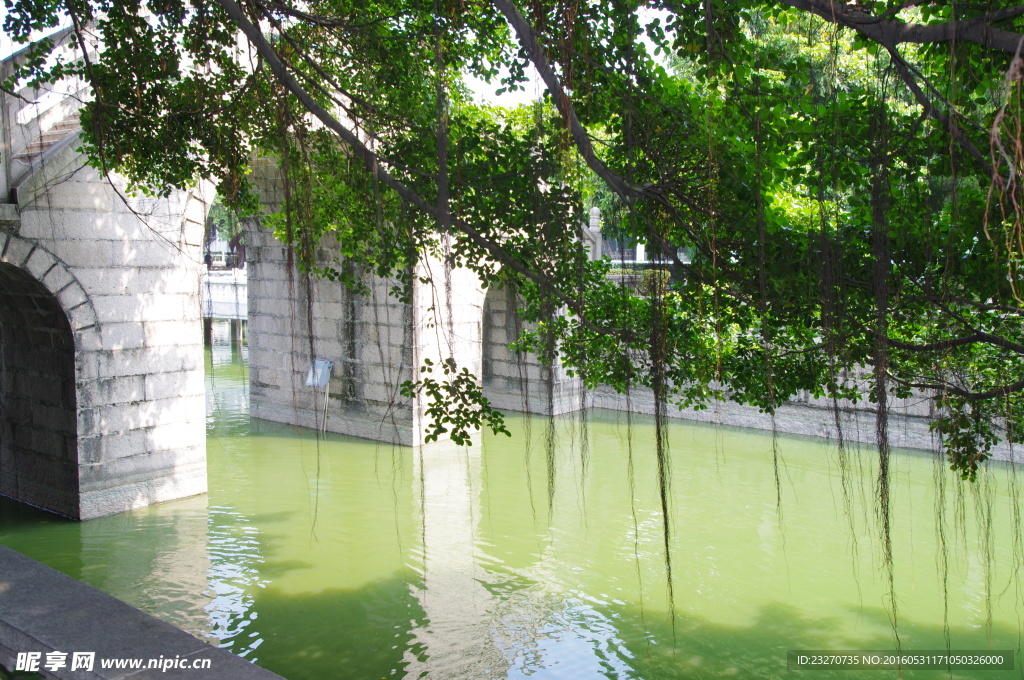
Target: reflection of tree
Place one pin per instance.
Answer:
(587, 583)
(705, 649)
(338, 633)
(153, 558)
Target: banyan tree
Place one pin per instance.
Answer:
(830, 192)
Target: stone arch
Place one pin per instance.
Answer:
(38, 390)
(53, 275)
(511, 381)
(124, 270)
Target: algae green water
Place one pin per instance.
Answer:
(342, 558)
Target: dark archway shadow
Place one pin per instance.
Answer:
(38, 418)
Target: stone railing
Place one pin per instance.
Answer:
(38, 118)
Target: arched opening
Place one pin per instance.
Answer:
(38, 419)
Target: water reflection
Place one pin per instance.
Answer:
(155, 560)
(330, 557)
(233, 577)
(456, 637)
(161, 561)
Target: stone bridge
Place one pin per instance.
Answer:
(375, 342)
(101, 356)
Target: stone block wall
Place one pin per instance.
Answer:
(515, 382)
(376, 342)
(124, 271)
(295, 318)
(447, 323)
(519, 382)
(38, 426)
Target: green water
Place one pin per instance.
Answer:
(347, 559)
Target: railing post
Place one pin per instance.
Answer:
(595, 226)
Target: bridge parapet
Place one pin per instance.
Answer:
(37, 118)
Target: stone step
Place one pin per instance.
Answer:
(50, 137)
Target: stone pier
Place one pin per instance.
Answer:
(374, 342)
(101, 369)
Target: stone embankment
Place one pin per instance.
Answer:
(45, 612)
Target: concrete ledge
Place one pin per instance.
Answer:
(43, 610)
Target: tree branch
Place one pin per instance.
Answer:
(371, 161)
(947, 121)
(531, 45)
(933, 346)
(326, 77)
(891, 32)
(281, 72)
(1000, 391)
(321, 20)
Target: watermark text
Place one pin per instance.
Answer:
(86, 661)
